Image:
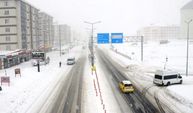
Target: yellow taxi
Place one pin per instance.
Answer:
(126, 86)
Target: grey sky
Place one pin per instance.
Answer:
(116, 15)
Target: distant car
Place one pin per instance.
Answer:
(167, 77)
(126, 86)
(71, 61)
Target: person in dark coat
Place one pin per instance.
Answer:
(60, 64)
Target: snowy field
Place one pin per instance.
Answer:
(155, 54)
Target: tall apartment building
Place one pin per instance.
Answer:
(18, 25)
(156, 33)
(62, 34)
(34, 28)
(187, 15)
(46, 30)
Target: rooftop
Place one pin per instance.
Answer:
(126, 82)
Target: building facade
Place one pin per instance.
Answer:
(23, 26)
(186, 16)
(62, 35)
(46, 30)
(34, 28)
(18, 25)
(156, 33)
(8, 25)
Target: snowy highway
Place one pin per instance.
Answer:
(72, 88)
(96, 56)
(136, 101)
(73, 101)
(66, 95)
(166, 99)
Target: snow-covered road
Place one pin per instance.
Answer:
(28, 92)
(176, 97)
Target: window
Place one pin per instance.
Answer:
(8, 38)
(6, 12)
(170, 77)
(8, 47)
(6, 21)
(5, 3)
(158, 77)
(7, 29)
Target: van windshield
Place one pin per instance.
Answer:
(158, 77)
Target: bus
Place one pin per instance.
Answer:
(166, 77)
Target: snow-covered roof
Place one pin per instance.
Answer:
(126, 82)
(189, 5)
(165, 72)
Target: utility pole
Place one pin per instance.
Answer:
(165, 63)
(60, 39)
(187, 53)
(92, 41)
(44, 45)
(142, 48)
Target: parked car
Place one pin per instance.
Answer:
(126, 86)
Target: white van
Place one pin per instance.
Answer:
(166, 77)
(71, 61)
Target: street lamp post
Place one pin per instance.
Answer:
(188, 23)
(44, 45)
(59, 29)
(142, 48)
(92, 40)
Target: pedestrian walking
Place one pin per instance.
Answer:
(60, 64)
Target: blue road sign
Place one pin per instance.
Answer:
(103, 38)
(116, 37)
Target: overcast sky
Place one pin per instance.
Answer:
(125, 16)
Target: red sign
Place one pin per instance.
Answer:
(17, 71)
(5, 79)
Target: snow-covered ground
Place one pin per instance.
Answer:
(154, 58)
(33, 86)
(26, 94)
(155, 54)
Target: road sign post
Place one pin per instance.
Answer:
(17, 72)
(5, 79)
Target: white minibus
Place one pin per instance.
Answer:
(166, 77)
